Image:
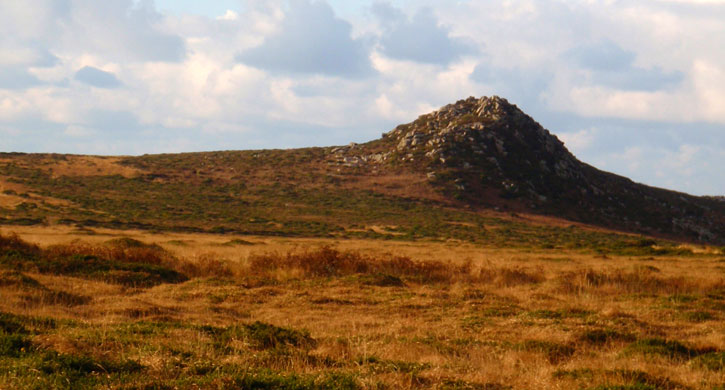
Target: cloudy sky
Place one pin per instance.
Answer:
(634, 87)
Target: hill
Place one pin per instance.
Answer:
(478, 170)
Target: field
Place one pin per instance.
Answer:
(94, 308)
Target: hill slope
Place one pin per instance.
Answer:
(438, 177)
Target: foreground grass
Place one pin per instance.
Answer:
(326, 318)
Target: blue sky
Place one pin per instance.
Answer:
(634, 87)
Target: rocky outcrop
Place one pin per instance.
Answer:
(477, 146)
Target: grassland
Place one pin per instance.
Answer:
(94, 308)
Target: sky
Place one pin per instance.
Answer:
(632, 87)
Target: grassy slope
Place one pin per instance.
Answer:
(255, 314)
(292, 193)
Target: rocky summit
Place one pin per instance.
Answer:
(486, 152)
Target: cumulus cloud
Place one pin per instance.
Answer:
(522, 86)
(311, 40)
(420, 39)
(16, 78)
(115, 29)
(97, 78)
(612, 66)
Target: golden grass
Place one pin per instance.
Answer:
(462, 316)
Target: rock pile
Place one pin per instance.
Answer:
(491, 137)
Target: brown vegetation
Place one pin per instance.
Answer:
(301, 314)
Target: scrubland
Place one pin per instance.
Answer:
(102, 309)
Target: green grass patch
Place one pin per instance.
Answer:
(604, 336)
(269, 380)
(697, 316)
(258, 335)
(554, 352)
(378, 365)
(714, 361)
(670, 349)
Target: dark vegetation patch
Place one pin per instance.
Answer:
(269, 380)
(670, 349)
(378, 365)
(714, 361)
(329, 262)
(697, 316)
(32, 366)
(604, 336)
(639, 280)
(554, 352)
(559, 313)
(618, 379)
(258, 335)
(125, 261)
(450, 384)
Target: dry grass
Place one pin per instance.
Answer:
(365, 314)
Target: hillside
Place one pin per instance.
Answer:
(479, 170)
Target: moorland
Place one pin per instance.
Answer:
(465, 250)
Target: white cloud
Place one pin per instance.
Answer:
(578, 141)
(311, 40)
(78, 131)
(229, 15)
(419, 39)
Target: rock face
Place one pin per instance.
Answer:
(478, 147)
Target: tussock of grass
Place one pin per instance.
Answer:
(388, 270)
(13, 243)
(554, 352)
(18, 280)
(714, 361)
(268, 380)
(639, 280)
(382, 365)
(619, 379)
(449, 384)
(260, 336)
(127, 262)
(604, 336)
(670, 349)
(14, 344)
(329, 262)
